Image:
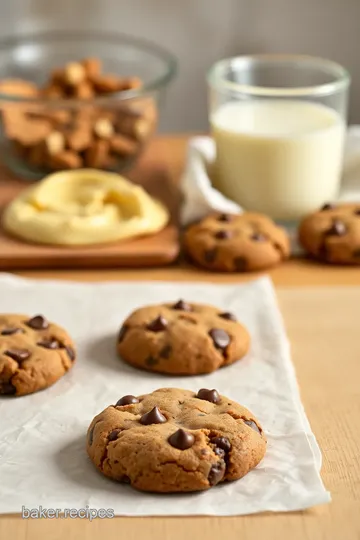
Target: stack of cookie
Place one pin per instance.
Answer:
(171, 440)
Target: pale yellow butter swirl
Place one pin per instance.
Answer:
(84, 207)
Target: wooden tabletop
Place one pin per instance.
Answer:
(321, 308)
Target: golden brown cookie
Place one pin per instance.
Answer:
(34, 354)
(175, 440)
(332, 234)
(182, 338)
(236, 243)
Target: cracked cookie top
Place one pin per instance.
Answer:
(175, 440)
(332, 234)
(236, 242)
(182, 338)
(34, 353)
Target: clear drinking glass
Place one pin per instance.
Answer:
(279, 124)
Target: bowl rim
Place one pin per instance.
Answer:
(169, 60)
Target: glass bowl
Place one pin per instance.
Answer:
(46, 130)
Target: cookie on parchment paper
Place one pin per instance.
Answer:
(175, 440)
(34, 353)
(182, 338)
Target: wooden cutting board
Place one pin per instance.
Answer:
(156, 250)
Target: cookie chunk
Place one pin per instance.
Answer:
(332, 234)
(182, 338)
(175, 440)
(236, 243)
(34, 354)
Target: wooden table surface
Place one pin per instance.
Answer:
(321, 308)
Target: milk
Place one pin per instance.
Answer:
(280, 157)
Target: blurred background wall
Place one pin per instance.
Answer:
(199, 32)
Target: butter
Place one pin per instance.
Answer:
(83, 207)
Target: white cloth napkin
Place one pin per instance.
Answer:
(42, 436)
(200, 198)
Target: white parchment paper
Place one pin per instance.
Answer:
(42, 436)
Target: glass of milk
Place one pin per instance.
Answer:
(279, 124)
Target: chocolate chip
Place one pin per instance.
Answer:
(7, 388)
(181, 439)
(258, 237)
(166, 351)
(225, 217)
(356, 253)
(323, 252)
(153, 417)
(216, 473)
(71, 353)
(357, 212)
(223, 235)
(49, 344)
(338, 228)
(151, 361)
(127, 400)
(11, 331)
(157, 325)
(113, 435)
(182, 306)
(122, 333)
(222, 442)
(252, 424)
(328, 206)
(228, 316)
(19, 355)
(219, 452)
(91, 435)
(210, 255)
(125, 479)
(208, 395)
(220, 338)
(38, 323)
(240, 264)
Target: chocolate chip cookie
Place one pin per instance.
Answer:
(34, 354)
(236, 243)
(332, 234)
(182, 338)
(175, 440)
